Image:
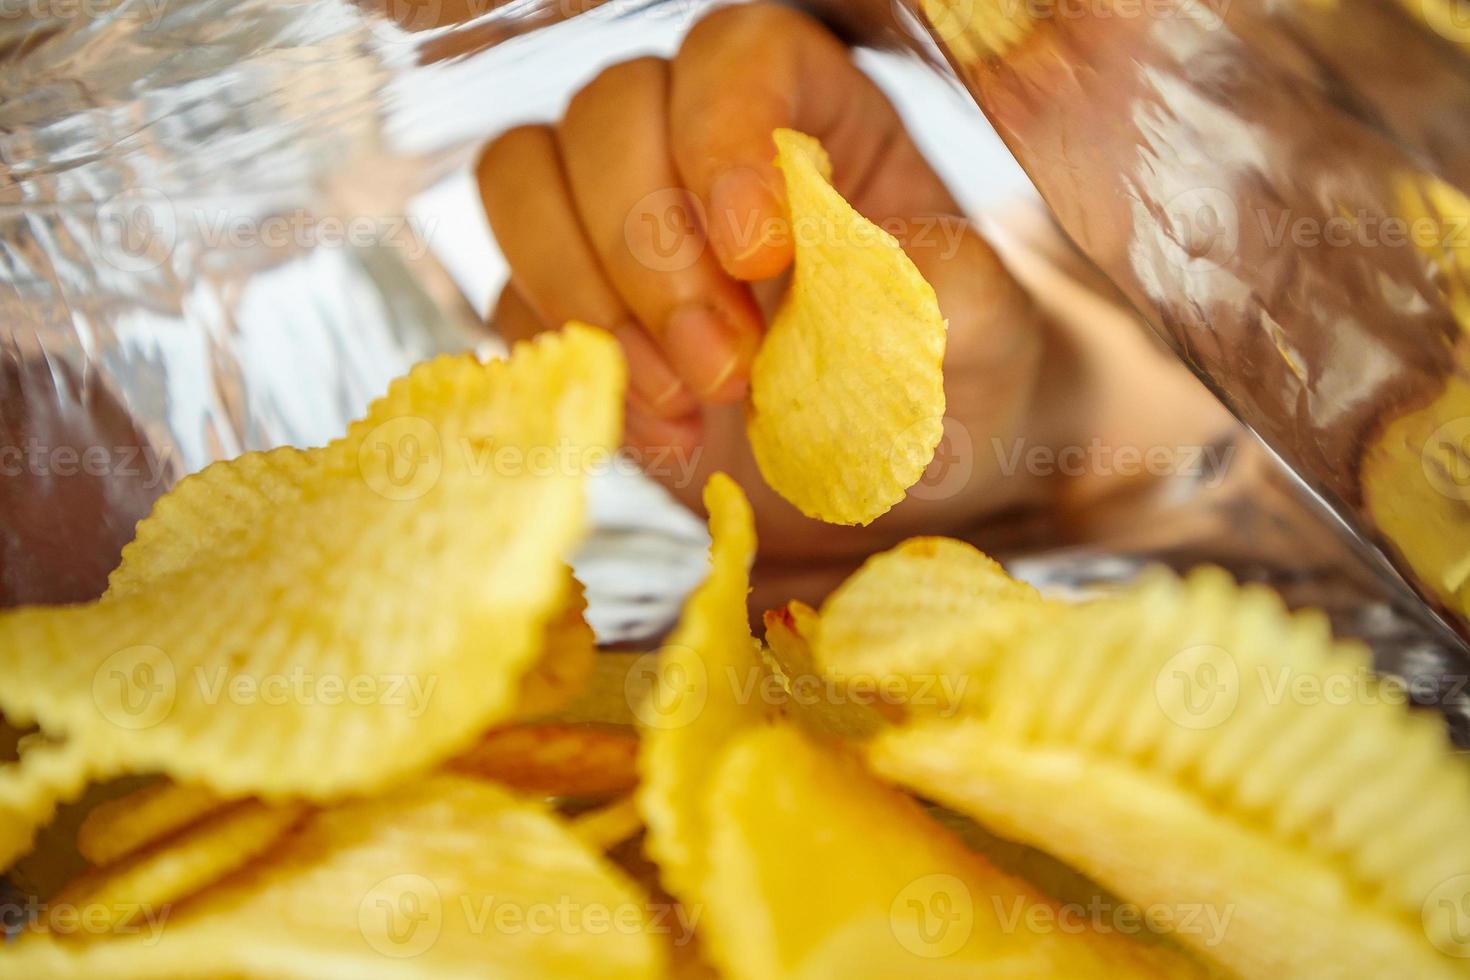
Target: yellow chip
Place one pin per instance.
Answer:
(605, 698)
(47, 774)
(818, 870)
(927, 616)
(692, 706)
(825, 705)
(175, 867)
(442, 877)
(609, 825)
(551, 759)
(117, 827)
(378, 605)
(568, 656)
(1193, 747)
(847, 390)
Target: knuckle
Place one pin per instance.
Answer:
(620, 81)
(509, 151)
(744, 18)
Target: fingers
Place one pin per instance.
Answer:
(747, 70)
(555, 274)
(647, 237)
(513, 318)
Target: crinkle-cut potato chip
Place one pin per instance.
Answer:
(117, 827)
(610, 825)
(809, 853)
(568, 654)
(378, 609)
(820, 703)
(604, 699)
(692, 707)
(556, 759)
(1193, 745)
(847, 389)
(46, 774)
(177, 866)
(934, 612)
(445, 876)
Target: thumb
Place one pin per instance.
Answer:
(743, 72)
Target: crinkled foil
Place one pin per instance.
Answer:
(216, 239)
(1280, 188)
(220, 233)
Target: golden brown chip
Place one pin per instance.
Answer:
(174, 867)
(117, 827)
(847, 389)
(46, 775)
(568, 655)
(381, 602)
(824, 704)
(609, 695)
(1193, 747)
(445, 876)
(610, 825)
(550, 759)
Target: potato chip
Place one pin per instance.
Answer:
(1193, 747)
(375, 618)
(605, 699)
(822, 704)
(443, 876)
(847, 390)
(116, 828)
(549, 759)
(693, 706)
(928, 615)
(609, 825)
(47, 774)
(176, 866)
(815, 864)
(568, 656)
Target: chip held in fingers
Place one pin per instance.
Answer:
(847, 390)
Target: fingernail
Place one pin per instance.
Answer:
(651, 380)
(707, 352)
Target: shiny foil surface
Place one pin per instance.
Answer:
(1280, 189)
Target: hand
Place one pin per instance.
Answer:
(583, 210)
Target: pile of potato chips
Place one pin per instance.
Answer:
(339, 714)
